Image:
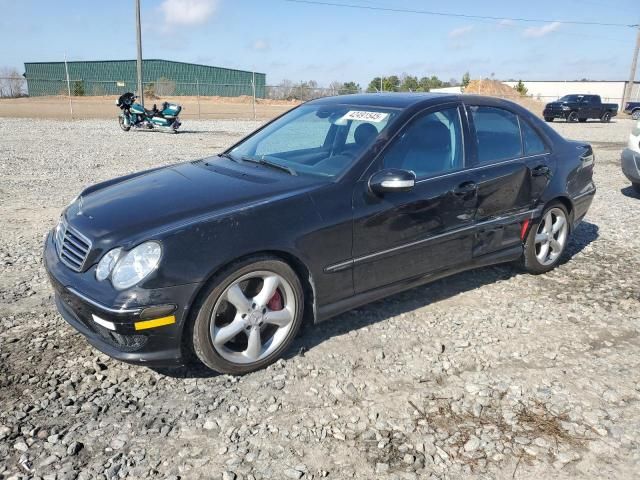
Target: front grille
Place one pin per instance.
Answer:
(73, 247)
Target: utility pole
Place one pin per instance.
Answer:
(66, 70)
(139, 62)
(632, 74)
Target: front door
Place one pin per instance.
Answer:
(402, 235)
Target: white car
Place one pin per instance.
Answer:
(631, 158)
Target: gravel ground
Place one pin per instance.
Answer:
(490, 373)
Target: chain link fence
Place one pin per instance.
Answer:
(79, 98)
(84, 98)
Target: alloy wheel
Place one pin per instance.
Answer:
(551, 236)
(252, 317)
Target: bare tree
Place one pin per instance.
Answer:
(12, 84)
(335, 87)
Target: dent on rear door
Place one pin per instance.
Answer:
(503, 192)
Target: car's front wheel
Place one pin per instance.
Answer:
(249, 316)
(636, 187)
(636, 115)
(546, 240)
(548, 119)
(606, 117)
(573, 117)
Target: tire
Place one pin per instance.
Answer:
(606, 117)
(573, 117)
(124, 127)
(635, 114)
(636, 187)
(548, 119)
(230, 337)
(540, 260)
(582, 120)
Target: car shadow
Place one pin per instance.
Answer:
(407, 301)
(630, 192)
(394, 305)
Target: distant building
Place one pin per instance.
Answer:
(163, 77)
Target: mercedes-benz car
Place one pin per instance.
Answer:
(336, 203)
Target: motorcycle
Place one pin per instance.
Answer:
(135, 115)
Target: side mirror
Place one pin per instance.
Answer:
(392, 180)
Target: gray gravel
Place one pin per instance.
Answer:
(490, 373)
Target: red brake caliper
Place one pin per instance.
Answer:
(276, 301)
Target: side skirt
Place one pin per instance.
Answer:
(325, 312)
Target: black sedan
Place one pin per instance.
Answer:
(339, 202)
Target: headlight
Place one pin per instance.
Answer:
(106, 264)
(565, 107)
(135, 265)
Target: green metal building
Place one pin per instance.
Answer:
(162, 77)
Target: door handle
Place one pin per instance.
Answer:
(541, 170)
(465, 188)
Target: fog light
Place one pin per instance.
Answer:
(104, 323)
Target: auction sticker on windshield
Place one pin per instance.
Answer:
(376, 117)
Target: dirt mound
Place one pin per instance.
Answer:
(494, 88)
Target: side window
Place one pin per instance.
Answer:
(533, 144)
(431, 145)
(497, 134)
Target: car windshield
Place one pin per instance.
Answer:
(321, 140)
(571, 98)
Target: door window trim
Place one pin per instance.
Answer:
(483, 166)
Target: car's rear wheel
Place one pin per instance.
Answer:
(636, 187)
(249, 316)
(606, 117)
(636, 114)
(573, 117)
(546, 240)
(548, 119)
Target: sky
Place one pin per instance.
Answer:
(299, 41)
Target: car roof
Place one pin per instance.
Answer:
(404, 100)
(388, 99)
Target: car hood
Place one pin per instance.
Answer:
(168, 197)
(556, 104)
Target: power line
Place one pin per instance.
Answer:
(458, 15)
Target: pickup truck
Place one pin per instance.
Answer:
(579, 108)
(633, 109)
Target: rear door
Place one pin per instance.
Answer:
(593, 106)
(511, 174)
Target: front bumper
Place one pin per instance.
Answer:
(631, 165)
(553, 113)
(121, 338)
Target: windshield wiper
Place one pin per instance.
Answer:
(269, 163)
(229, 156)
